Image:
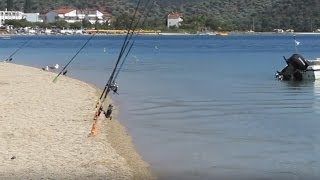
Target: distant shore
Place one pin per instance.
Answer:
(6, 36)
(45, 126)
(113, 32)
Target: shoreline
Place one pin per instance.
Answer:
(121, 141)
(231, 33)
(45, 129)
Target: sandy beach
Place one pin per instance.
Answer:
(45, 127)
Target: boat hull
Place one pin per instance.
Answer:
(299, 69)
(311, 75)
(307, 75)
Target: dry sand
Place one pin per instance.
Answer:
(44, 129)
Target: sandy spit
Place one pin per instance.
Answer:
(44, 130)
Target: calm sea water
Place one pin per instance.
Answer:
(202, 107)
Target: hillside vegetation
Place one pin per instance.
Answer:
(262, 15)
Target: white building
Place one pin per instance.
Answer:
(73, 15)
(18, 15)
(67, 14)
(32, 17)
(278, 30)
(10, 15)
(174, 19)
(93, 16)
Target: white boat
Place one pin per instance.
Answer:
(299, 69)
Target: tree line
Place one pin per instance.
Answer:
(215, 15)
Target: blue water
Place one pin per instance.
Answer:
(202, 107)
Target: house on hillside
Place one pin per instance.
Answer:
(32, 17)
(73, 15)
(18, 15)
(10, 15)
(174, 19)
(94, 15)
(66, 14)
(290, 31)
(278, 30)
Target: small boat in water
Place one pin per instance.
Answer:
(299, 68)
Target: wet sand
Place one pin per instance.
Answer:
(45, 127)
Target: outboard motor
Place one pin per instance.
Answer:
(298, 62)
(295, 64)
(286, 73)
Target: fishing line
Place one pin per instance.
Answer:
(125, 45)
(130, 37)
(106, 90)
(130, 28)
(8, 59)
(112, 79)
(143, 22)
(107, 86)
(121, 65)
(84, 45)
(136, 25)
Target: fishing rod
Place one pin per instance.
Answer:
(125, 58)
(112, 79)
(121, 65)
(135, 27)
(107, 86)
(124, 46)
(106, 90)
(126, 42)
(128, 32)
(84, 45)
(10, 57)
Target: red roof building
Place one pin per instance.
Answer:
(174, 19)
(73, 15)
(63, 10)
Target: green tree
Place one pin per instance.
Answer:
(86, 24)
(9, 5)
(18, 23)
(40, 24)
(76, 25)
(236, 14)
(60, 24)
(212, 23)
(122, 22)
(27, 6)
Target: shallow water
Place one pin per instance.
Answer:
(202, 107)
